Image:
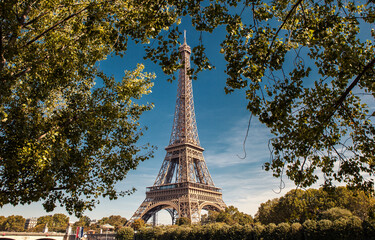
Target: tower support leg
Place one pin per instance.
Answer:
(154, 219)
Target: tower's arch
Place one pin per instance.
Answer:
(171, 207)
(210, 206)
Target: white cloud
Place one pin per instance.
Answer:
(244, 183)
(227, 150)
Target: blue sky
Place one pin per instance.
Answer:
(222, 122)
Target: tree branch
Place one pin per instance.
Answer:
(26, 70)
(45, 134)
(55, 25)
(339, 102)
(33, 20)
(281, 26)
(368, 67)
(52, 189)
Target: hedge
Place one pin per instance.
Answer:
(351, 228)
(125, 233)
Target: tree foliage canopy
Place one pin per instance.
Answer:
(308, 71)
(13, 223)
(55, 220)
(115, 220)
(336, 213)
(312, 204)
(183, 221)
(138, 224)
(125, 233)
(65, 140)
(230, 215)
(83, 221)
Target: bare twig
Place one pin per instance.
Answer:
(244, 141)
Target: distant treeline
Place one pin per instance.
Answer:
(57, 223)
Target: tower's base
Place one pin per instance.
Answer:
(180, 200)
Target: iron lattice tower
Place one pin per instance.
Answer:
(184, 185)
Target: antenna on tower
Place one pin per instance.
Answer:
(184, 36)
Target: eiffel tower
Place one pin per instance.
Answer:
(184, 186)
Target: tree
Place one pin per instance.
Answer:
(60, 220)
(63, 139)
(43, 220)
(14, 223)
(183, 221)
(335, 213)
(56, 223)
(83, 221)
(138, 224)
(125, 233)
(2, 220)
(68, 142)
(37, 228)
(210, 217)
(308, 71)
(266, 212)
(299, 206)
(115, 220)
(230, 215)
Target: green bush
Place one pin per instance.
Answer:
(350, 228)
(258, 231)
(282, 231)
(238, 232)
(183, 221)
(296, 231)
(212, 231)
(309, 228)
(57, 229)
(324, 230)
(146, 234)
(339, 228)
(248, 232)
(368, 228)
(354, 228)
(178, 233)
(268, 232)
(125, 233)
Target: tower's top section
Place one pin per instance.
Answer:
(184, 48)
(184, 123)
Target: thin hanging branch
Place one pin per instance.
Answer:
(244, 141)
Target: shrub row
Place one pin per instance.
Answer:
(349, 228)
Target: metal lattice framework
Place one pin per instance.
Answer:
(184, 124)
(184, 185)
